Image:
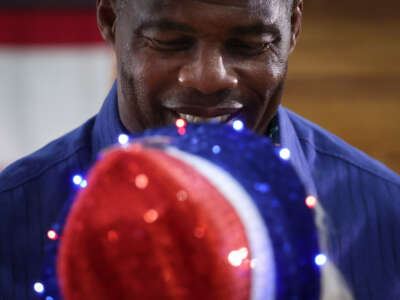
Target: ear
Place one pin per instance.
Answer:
(106, 19)
(296, 20)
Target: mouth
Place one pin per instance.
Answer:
(206, 114)
(198, 119)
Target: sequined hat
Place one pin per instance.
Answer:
(211, 213)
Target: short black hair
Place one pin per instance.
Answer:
(290, 4)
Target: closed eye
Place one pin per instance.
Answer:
(180, 44)
(247, 48)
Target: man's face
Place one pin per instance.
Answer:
(201, 60)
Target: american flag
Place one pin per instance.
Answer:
(55, 70)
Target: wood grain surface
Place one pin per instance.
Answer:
(345, 76)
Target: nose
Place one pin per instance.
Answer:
(207, 73)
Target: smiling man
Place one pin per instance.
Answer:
(207, 61)
(200, 60)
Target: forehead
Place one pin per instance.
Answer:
(266, 10)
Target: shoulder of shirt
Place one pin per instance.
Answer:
(34, 165)
(327, 144)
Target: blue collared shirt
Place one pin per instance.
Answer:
(360, 196)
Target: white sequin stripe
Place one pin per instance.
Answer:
(263, 272)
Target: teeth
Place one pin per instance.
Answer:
(196, 119)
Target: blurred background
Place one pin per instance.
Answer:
(345, 73)
(55, 71)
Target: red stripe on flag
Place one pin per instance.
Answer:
(48, 26)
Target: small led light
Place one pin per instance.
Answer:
(284, 154)
(320, 260)
(49, 298)
(77, 179)
(216, 149)
(38, 287)
(238, 125)
(83, 184)
(52, 235)
(141, 181)
(311, 202)
(182, 130)
(180, 123)
(151, 216)
(123, 139)
(262, 187)
(236, 257)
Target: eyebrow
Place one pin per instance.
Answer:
(258, 28)
(165, 25)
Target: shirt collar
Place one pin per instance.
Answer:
(290, 140)
(108, 125)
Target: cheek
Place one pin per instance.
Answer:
(277, 71)
(263, 76)
(152, 74)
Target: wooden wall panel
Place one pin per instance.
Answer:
(345, 76)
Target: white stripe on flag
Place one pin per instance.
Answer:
(47, 91)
